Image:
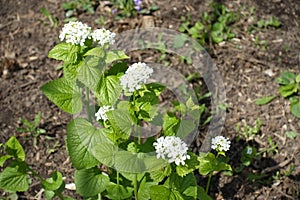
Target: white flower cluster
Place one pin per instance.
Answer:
(103, 36)
(171, 148)
(75, 33)
(220, 143)
(101, 114)
(136, 75)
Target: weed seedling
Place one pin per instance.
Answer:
(214, 26)
(32, 128)
(272, 22)
(53, 21)
(249, 132)
(128, 8)
(261, 43)
(272, 150)
(290, 88)
(71, 7)
(100, 20)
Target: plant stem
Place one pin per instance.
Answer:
(118, 178)
(35, 174)
(135, 186)
(208, 182)
(87, 101)
(135, 175)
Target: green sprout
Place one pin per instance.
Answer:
(32, 128)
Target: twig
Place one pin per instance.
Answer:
(284, 194)
(280, 165)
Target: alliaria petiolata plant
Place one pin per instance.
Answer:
(112, 157)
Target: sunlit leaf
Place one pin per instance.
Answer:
(264, 100)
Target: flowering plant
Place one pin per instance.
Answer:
(108, 147)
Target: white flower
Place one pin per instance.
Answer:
(249, 150)
(171, 148)
(101, 114)
(75, 33)
(220, 143)
(136, 75)
(103, 36)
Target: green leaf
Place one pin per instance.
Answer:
(121, 122)
(179, 40)
(160, 192)
(159, 175)
(147, 106)
(14, 148)
(90, 182)
(144, 189)
(115, 55)
(201, 194)
(37, 120)
(115, 191)
(185, 128)
(81, 137)
(288, 90)
(157, 88)
(128, 162)
(90, 71)
(70, 70)
(186, 186)
(49, 195)
(264, 100)
(54, 182)
(218, 27)
(297, 78)
(65, 94)
(97, 51)
(14, 177)
(291, 134)
(274, 22)
(190, 165)
(217, 37)
(207, 163)
(222, 167)
(132, 176)
(170, 124)
(109, 90)
(286, 78)
(117, 68)
(65, 52)
(105, 152)
(3, 159)
(247, 158)
(295, 109)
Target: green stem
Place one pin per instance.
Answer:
(135, 186)
(118, 178)
(87, 102)
(208, 182)
(60, 196)
(135, 178)
(35, 174)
